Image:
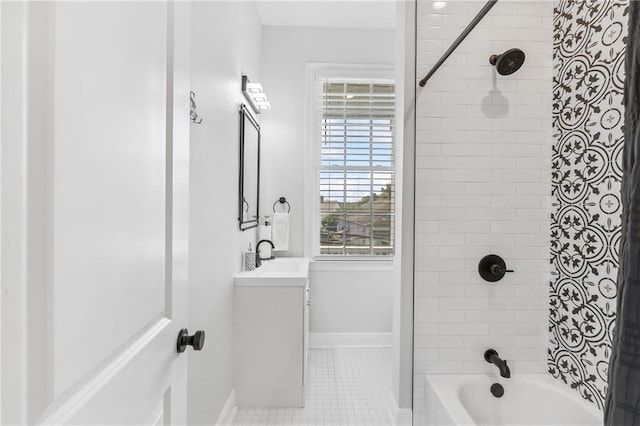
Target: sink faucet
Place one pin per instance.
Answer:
(492, 357)
(259, 258)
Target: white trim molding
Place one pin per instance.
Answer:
(404, 417)
(399, 416)
(228, 412)
(350, 265)
(349, 340)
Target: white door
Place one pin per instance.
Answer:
(95, 128)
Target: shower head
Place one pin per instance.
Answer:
(509, 62)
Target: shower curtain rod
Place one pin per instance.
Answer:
(485, 9)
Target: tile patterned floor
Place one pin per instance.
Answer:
(346, 386)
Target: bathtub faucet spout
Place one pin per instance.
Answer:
(492, 357)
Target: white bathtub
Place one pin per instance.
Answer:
(530, 399)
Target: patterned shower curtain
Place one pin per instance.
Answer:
(623, 399)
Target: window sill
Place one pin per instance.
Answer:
(329, 264)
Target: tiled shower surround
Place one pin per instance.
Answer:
(588, 58)
(483, 179)
(526, 166)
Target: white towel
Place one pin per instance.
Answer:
(280, 231)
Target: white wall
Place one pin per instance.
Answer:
(483, 170)
(342, 301)
(225, 44)
(13, 242)
(353, 300)
(0, 214)
(1, 119)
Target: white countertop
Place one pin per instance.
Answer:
(284, 271)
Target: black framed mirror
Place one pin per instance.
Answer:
(249, 194)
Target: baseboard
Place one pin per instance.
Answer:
(228, 411)
(404, 417)
(349, 340)
(399, 416)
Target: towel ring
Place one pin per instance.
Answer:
(282, 200)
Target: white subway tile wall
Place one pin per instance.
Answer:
(483, 169)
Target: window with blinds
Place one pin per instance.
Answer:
(357, 165)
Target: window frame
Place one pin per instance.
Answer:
(315, 71)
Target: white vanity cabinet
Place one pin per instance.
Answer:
(271, 327)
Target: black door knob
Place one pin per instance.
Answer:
(196, 341)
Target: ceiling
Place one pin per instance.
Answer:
(328, 13)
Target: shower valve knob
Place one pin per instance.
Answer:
(196, 340)
(492, 268)
(498, 270)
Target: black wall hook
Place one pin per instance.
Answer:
(193, 114)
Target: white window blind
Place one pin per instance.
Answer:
(357, 166)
